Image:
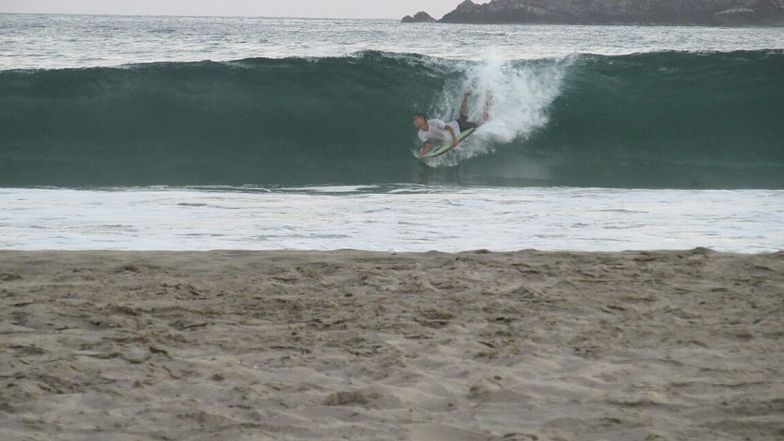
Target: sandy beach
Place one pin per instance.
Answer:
(225, 345)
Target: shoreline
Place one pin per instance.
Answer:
(139, 345)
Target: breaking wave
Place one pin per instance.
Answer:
(662, 119)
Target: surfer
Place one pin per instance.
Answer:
(437, 130)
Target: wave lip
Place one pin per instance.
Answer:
(662, 119)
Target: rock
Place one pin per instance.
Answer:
(419, 17)
(622, 12)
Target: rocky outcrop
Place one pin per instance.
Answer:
(419, 17)
(645, 12)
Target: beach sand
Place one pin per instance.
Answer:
(226, 345)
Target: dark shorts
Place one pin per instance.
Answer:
(465, 124)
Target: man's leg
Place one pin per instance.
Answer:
(464, 106)
(486, 110)
(465, 124)
(462, 120)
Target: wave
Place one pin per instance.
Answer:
(653, 120)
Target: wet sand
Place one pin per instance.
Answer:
(138, 346)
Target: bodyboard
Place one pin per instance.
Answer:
(438, 149)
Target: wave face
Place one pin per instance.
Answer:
(656, 120)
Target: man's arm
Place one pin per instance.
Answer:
(454, 137)
(425, 148)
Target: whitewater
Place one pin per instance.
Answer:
(35, 41)
(261, 133)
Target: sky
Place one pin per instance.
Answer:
(268, 8)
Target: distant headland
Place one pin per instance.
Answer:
(419, 17)
(616, 12)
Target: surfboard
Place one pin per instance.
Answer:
(442, 147)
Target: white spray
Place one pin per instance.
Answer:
(515, 98)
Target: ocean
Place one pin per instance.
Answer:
(201, 133)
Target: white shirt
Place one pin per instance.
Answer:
(437, 131)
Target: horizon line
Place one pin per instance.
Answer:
(99, 14)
